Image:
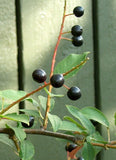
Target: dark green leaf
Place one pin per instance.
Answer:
(88, 152)
(55, 121)
(95, 114)
(69, 62)
(27, 150)
(85, 121)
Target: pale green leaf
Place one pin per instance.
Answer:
(12, 94)
(95, 114)
(33, 101)
(27, 150)
(69, 62)
(43, 102)
(69, 126)
(16, 117)
(19, 132)
(53, 95)
(115, 118)
(4, 138)
(33, 113)
(88, 152)
(55, 121)
(84, 121)
(73, 121)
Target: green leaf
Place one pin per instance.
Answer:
(12, 94)
(69, 126)
(34, 113)
(16, 117)
(73, 121)
(31, 100)
(4, 138)
(84, 121)
(53, 95)
(95, 114)
(115, 118)
(27, 150)
(88, 152)
(43, 102)
(96, 138)
(55, 121)
(69, 62)
(20, 134)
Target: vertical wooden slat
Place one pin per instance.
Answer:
(19, 37)
(8, 61)
(107, 58)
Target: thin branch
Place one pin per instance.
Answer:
(22, 98)
(74, 139)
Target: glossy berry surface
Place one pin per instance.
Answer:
(78, 11)
(77, 40)
(80, 158)
(57, 80)
(76, 30)
(70, 147)
(74, 93)
(31, 122)
(39, 75)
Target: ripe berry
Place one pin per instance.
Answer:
(78, 11)
(80, 158)
(39, 75)
(74, 93)
(77, 40)
(57, 80)
(70, 147)
(31, 122)
(76, 30)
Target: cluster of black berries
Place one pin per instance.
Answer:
(57, 81)
(70, 148)
(77, 39)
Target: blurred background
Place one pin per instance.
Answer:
(28, 34)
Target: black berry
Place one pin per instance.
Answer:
(80, 158)
(77, 40)
(31, 122)
(74, 93)
(39, 75)
(57, 80)
(78, 11)
(76, 30)
(70, 147)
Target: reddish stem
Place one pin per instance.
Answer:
(52, 66)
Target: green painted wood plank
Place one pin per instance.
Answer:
(107, 56)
